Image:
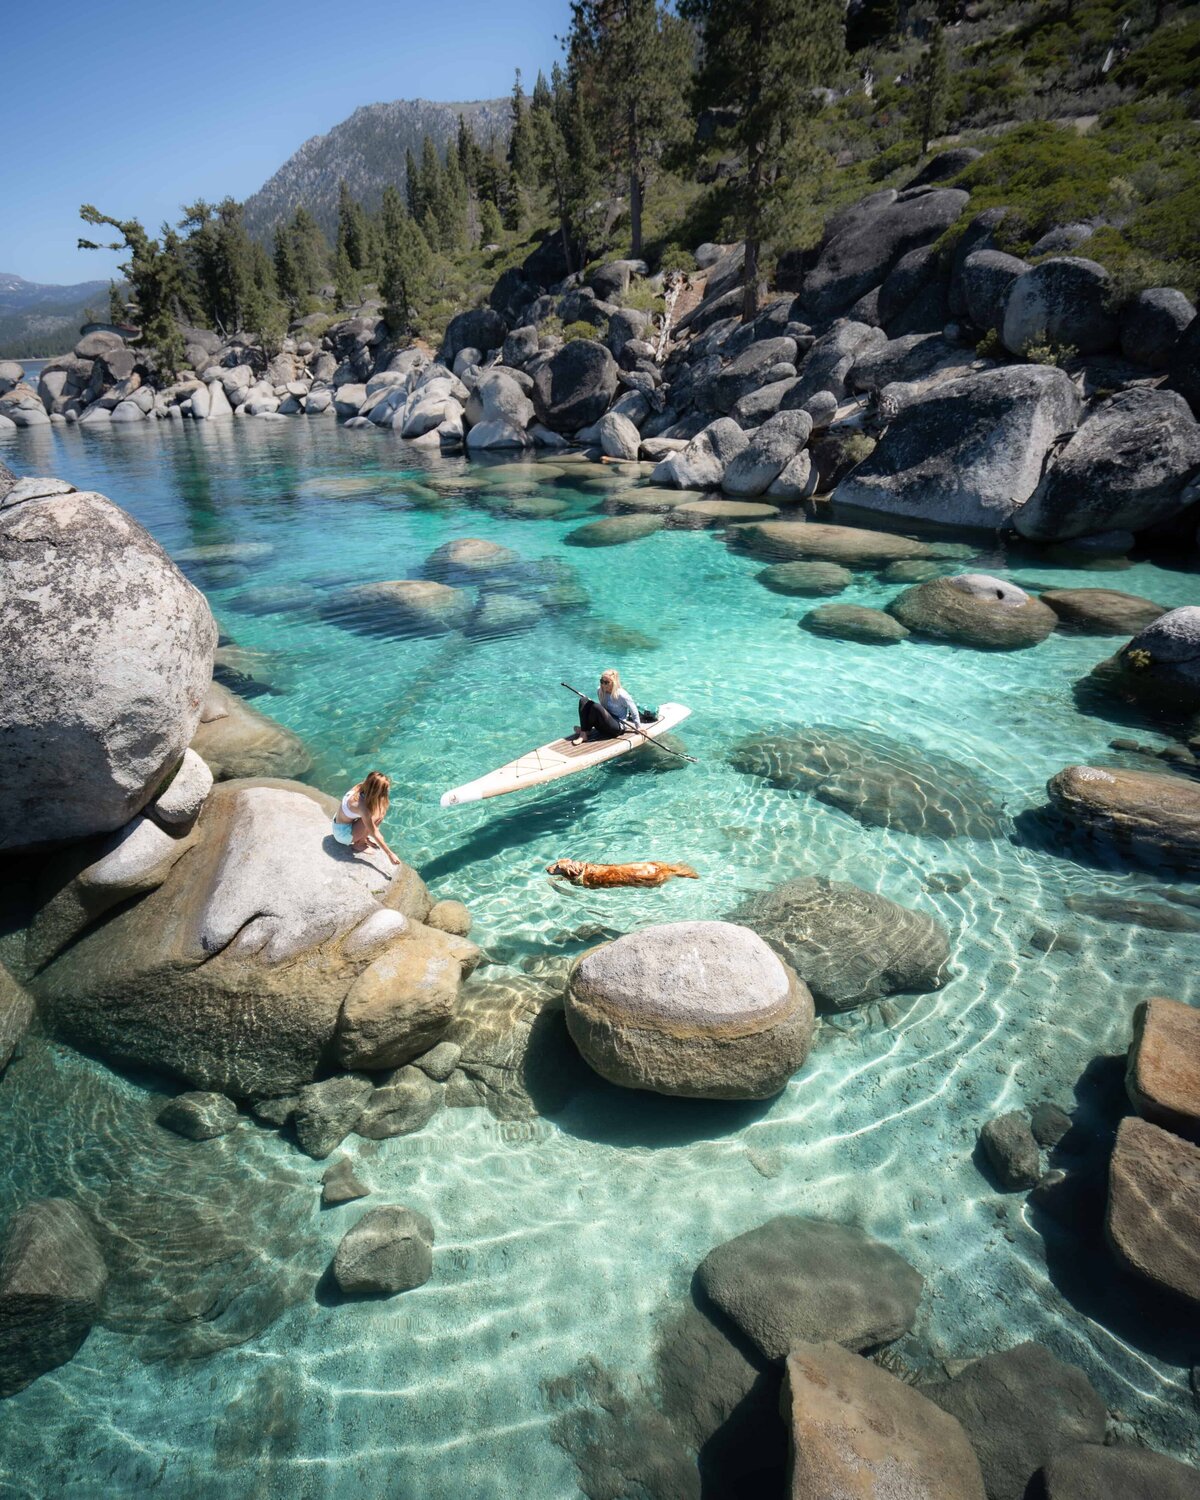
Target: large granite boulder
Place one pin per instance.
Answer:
(967, 452)
(481, 328)
(699, 1009)
(924, 358)
(805, 579)
(16, 1012)
(849, 946)
(470, 559)
(1183, 370)
(52, 1281)
(399, 607)
(851, 546)
(858, 1432)
(827, 365)
(106, 652)
(1019, 1409)
(1152, 325)
(986, 280)
(500, 412)
(575, 387)
(1162, 1076)
(1063, 301)
(794, 1280)
(1153, 1220)
(389, 1250)
(1101, 611)
(702, 464)
(1160, 666)
(762, 363)
(871, 239)
(874, 779)
(770, 450)
(1144, 813)
(268, 954)
(912, 299)
(854, 622)
(974, 609)
(234, 739)
(1090, 1472)
(1127, 467)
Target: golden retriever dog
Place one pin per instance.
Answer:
(645, 872)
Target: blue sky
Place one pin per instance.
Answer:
(138, 108)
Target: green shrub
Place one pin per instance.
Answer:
(1040, 350)
(643, 298)
(676, 258)
(857, 447)
(582, 330)
(990, 347)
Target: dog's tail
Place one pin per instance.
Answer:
(685, 872)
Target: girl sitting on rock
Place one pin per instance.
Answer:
(362, 810)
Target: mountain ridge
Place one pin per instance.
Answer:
(367, 149)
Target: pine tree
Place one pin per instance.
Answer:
(932, 82)
(520, 146)
(117, 298)
(490, 226)
(632, 62)
(353, 235)
(412, 186)
(287, 272)
(155, 285)
(310, 250)
(452, 205)
(405, 263)
(345, 281)
(763, 62)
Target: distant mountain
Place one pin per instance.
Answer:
(36, 319)
(368, 151)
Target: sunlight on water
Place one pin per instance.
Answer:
(572, 1239)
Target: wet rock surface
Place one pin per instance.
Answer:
(1143, 813)
(855, 622)
(1153, 1222)
(1011, 1150)
(1163, 1072)
(1091, 1472)
(974, 609)
(199, 1116)
(1101, 611)
(806, 579)
(389, 1250)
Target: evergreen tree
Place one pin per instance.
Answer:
(932, 82)
(287, 272)
(405, 263)
(565, 159)
(310, 250)
(155, 286)
(762, 62)
(353, 234)
(871, 22)
(412, 186)
(632, 61)
(117, 298)
(221, 262)
(520, 146)
(490, 225)
(452, 205)
(345, 280)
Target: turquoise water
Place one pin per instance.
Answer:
(566, 1244)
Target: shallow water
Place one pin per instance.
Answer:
(569, 1241)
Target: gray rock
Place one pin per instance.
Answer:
(750, 370)
(702, 464)
(328, 1111)
(1061, 240)
(1019, 1409)
(1063, 301)
(614, 531)
(277, 1111)
(913, 297)
(478, 328)
(52, 1282)
(16, 1013)
(756, 406)
(199, 1116)
(699, 1009)
(858, 1431)
(440, 1061)
(805, 579)
(1127, 467)
(1012, 1151)
(869, 242)
(916, 357)
(1049, 1124)
(828, 363)
(944, 164)
(1160, 666)
(1142, 813)
(85, 747)
(1152, 325)
(575, 387)
(1183, 370)
(1101, 611)
(799, 477)
(12, 375)
(970, 451)
(854, 622)
(767, 454)
(974, 609)
(404, 1103)
(911, 570)
(625, 326)
(987, 278)
(389, 1250)
(849, 946)
(179, 805)
(340, 1185)
(617, 436)
(798, 1280)
(1090, 1472)
(520, 346)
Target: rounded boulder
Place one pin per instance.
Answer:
(107, 654)
(703, 1010)
(975, 609)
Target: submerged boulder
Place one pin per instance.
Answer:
(1011, 1150)
(52, 1282)
(1019, 1409)
(1162, 1077)
(1160, 666)
(967, 452)
(699, 1009)
(106, 652)
(254, 962)
(469, 559)
(612, 531)
(805, 579)
(389, 1250)
(850, 946)
(855, 622)
(795, 1279)
(16, 1012)
(850, 546)
(1153, 1221)
(400, 607)
(877, 780)
(1088, 1471)
(857, 1431)
(1143, 813)
(1101, 611)
(199, 1116)
(974, 609)
(1127, 467)
(234, 739)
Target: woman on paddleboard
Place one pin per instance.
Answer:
(361, 811)
(608, 715)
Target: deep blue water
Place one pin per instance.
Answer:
(572, 1240)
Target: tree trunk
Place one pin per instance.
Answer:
(635, 214)
(750, 281)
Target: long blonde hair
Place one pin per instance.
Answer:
(611, 675)
(374, 794)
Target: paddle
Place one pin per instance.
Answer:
(650, 740)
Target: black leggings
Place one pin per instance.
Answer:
(593, 719)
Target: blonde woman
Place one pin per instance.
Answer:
(611, 713)
(362, 810)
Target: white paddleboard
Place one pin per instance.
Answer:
(561, 758)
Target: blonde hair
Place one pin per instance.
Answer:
(374, 794)
(610, 674)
